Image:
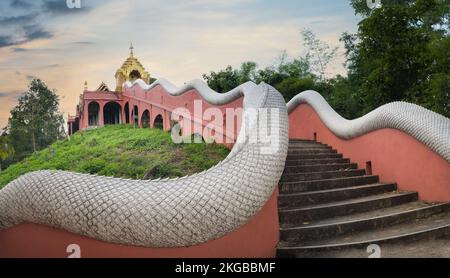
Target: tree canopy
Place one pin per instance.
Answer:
(35, 122)
(401, 52)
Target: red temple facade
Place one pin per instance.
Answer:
(106, 107)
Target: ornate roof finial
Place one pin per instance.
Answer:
(131, 50)
(85, 85)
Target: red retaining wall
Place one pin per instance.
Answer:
(256, 239)
(394, 155)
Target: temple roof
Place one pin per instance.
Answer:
(103, 87)
(131, 64)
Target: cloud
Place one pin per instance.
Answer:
(18, 20)
(33, 32)
(50, 66)
(20, 4)
(26, 21)
(83, 43)
(20, 49)
(30, 77)
(11, 95)
(30, 33)
(6, 41)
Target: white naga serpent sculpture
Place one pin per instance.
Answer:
(428, 127)
(165, 213)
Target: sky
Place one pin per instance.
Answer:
(176, 39)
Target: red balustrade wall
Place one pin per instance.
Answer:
(394, 155)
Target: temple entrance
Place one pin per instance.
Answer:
(112, 113)
(159, 122)
(135, 75)
(127, 113)
(145, 119)
(94, 114)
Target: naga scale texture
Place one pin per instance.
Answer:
(428, 127)
(163, 213)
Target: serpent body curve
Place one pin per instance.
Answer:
(165, 213)
(428, 127)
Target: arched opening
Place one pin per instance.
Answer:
(135, 115)
(135, 74)
(112, 113)
(127, 113)
(159, 122)
(94, 114)
(145, 119)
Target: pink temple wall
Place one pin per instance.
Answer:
(158, 102)
(395, 156)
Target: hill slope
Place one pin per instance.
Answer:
(121, 151)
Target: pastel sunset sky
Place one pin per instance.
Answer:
(175, 39)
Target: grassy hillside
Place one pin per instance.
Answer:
(121, 151)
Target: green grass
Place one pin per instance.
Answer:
(121, 151)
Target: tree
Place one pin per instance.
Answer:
(224, 80)
(247, 72)
(35, 122)
(401, 53)
(319, 54)
(291, 86)
(6, 149)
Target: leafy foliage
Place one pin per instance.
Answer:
(35, 122)
(6, 149)
(402, 52)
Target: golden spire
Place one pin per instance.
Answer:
(85, 85)
(131, 50)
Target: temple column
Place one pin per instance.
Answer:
(123, 116)
(139, 115)
(85, 120)
(166, 120)
(102, 123)
(151, 116)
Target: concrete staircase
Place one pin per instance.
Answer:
(328, 205)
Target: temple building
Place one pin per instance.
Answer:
(105, 107)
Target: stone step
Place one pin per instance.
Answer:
(319, 168)
(322, 161)
(325, 184)
(294, 216)
(306, 143)
(296, 156)
(333, 195)
(302, 141)
(420, 249)
(302, 151)
(435, 226)
(370, 220)
(293, 177)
